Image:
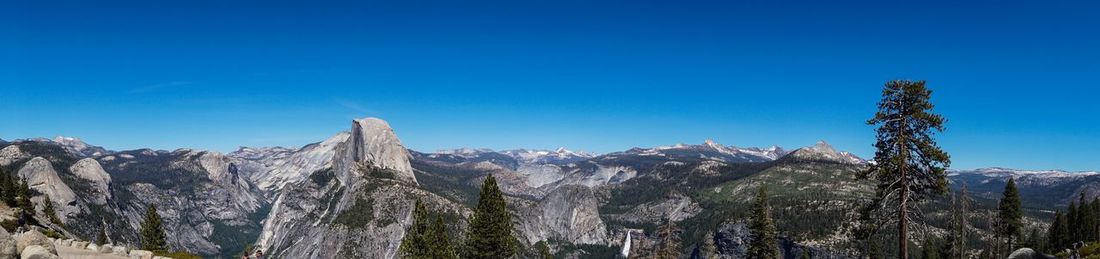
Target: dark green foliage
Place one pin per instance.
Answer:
(1009, 215)
(323, 176)
(358, 215)
(930, 249)
(102, 237)
(152, 233)
(763, 244)
(910, 166)
(544, 250)
(1086, 220)
(490, 231)
(427, 237)
(47, 208)
(1058, 234)
(8, 187)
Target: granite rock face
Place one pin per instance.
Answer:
(89, 169)
(372, 143)
(570, 213)
(41, 176)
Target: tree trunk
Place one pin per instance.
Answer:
(903, 228)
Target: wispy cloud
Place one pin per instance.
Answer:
(354, 106)
(158, 87)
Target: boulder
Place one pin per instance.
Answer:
(37, 252)
(7, 245)
(106, 248)
(1028, 253)
(30, 238)
(92, 246)
(120, 250)
(141, 254)
(80, 244)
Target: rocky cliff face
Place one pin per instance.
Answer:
(41, 176)
(569, 214)
(358, 208)
(372, 144)
(272, 168)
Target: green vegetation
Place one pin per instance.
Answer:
(910, 166)
(427, 237)
(1009, 215)
(358, 215)
(490, 231)
(763, 243)
(47, 208)
(152, 233)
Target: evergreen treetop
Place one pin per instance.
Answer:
(152, 233)
(490, 231)
(1009, 214)
(762, 228)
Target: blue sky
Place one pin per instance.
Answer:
(1016, 80)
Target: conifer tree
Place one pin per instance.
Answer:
(7, 187)
(416, 243)
(1057, 236)
(442, 247)
(152, 233)
(763, 243)
(910, 166)
(426, 237)
(102, 238)
(490, 231)
(544, 250)
(1096, 217)
(929, 249)
(23, 199)
(47, 208)
(669, 248)
(1086, 220)
(1071, 223)
(1009, 215)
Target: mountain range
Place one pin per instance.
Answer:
(352, 195)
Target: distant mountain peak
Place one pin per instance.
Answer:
(79, 147)
(823, 151)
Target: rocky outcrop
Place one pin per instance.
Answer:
(359, 208)
(675, 207)
(33, 238)
(10, 154)
(568, 214)
(372, 143)
(37, 252)
(41, 176)
(8, 245)
(272, 168)
(89, 169)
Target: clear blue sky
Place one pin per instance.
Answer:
(1018, 81)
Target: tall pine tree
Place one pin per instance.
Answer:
(47, 208)
(416, 243)
(490, 231)
(1057, 235)
(763, 244)
(669, 236)
(152, 233)
(426, 237)
(1086, 218)
(910, 166)
(1009, 215)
